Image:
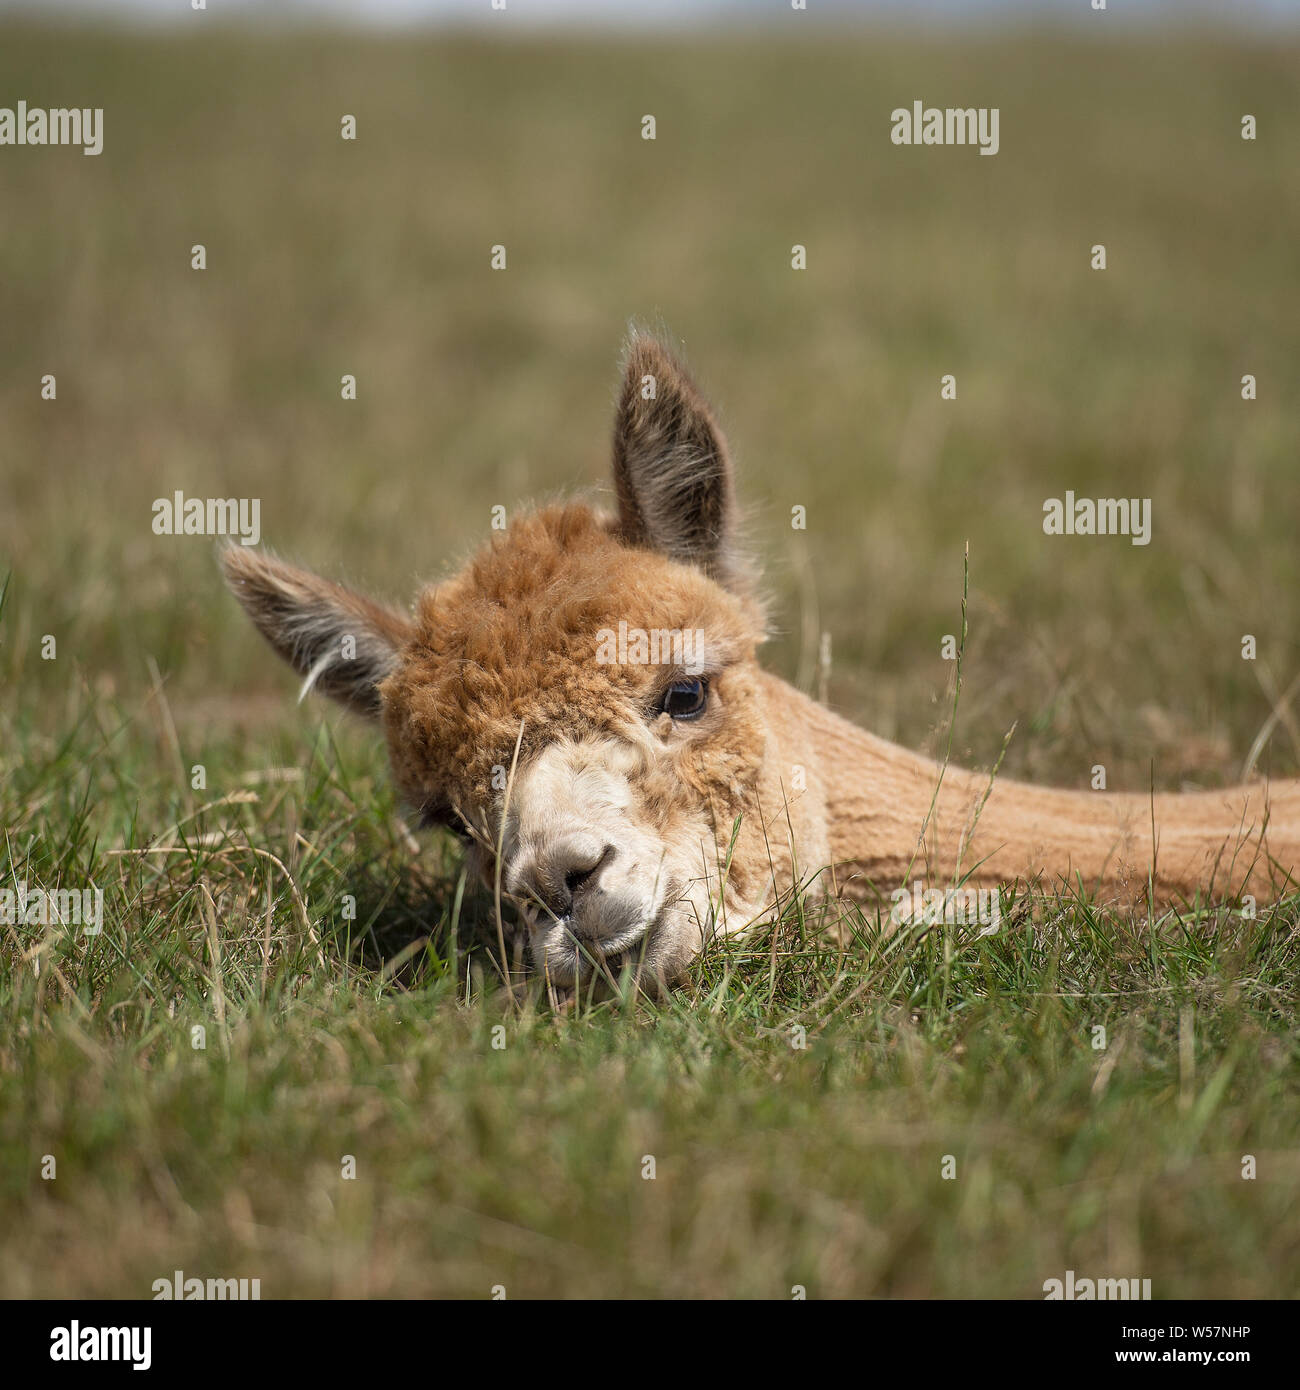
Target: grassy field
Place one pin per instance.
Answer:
(515, 1158)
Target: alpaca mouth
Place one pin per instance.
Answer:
(605, 948)
(583, 952)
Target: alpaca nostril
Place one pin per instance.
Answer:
(574, 880)
(559, 884)
(579, 877)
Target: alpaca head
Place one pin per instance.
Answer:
(584, 693)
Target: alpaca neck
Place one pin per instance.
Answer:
(893, 816)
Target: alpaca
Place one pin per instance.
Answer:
(583, 704)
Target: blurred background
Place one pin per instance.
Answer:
(479, 387)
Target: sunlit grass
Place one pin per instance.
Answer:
(799, 1097)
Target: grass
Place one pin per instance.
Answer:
(516, 1157)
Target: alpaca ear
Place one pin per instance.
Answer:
(341, 643)
(671, 468)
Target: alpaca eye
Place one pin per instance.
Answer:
(445, 818)
(685, 699)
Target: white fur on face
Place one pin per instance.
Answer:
(651, 899)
